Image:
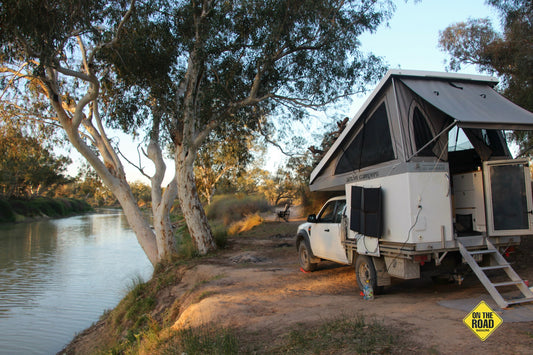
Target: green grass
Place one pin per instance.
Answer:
(134, 309)
(203, 340)
(352, 334)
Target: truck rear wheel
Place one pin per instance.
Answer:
(365, 272)
(304, 257)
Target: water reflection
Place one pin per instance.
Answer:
(58, 276)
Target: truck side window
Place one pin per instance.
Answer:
(340, 209)
(327, 214)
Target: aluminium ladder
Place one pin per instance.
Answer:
(497, 263)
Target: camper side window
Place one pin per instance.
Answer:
(422, 133)
(372, 144)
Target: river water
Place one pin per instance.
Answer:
(58, 276)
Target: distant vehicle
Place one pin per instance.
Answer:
(429, 184)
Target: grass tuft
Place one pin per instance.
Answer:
(245, 224)
(353, 334)
(202, 340)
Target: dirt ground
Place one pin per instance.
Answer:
(256, 284)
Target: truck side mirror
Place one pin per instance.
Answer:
(311, 218)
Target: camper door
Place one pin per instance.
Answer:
(508, 197)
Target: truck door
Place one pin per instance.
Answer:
(508, 197)
(326, 234)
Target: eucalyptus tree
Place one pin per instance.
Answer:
(508, 54)
(221, 158)
(177, 72)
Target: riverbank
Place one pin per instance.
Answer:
(18, 210)
(252, 298)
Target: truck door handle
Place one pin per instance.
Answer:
(326, 230)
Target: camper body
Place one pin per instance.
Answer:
(425, 170)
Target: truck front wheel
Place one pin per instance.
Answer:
(304, 257)
(365, 272)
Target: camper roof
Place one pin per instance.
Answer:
(468, 100)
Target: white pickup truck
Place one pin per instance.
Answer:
(430, 185)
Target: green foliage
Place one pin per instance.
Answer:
(142, 193)
(26, 167)
(220, 235)
(186, 247)
(220, 159)
(55, 23)
(89, 187)
(42, 207)
(6, 212)
(180, 71)
(509, 54)
(133, 310)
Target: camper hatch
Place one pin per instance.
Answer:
(429, 184)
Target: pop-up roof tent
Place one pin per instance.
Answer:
(407, 119)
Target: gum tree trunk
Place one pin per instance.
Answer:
(190, 203)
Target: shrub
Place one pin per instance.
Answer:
(186, 247)
(6, 212)
(231, 208)
(220, 234)
(45, 207)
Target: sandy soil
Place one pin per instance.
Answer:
(256, 284)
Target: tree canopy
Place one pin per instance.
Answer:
(28, 169)
(508, 54)
(178, 72)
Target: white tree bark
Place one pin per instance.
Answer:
(190, 203)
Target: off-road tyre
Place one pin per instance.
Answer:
(304, 257)
(365, 272)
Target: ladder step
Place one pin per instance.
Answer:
(520, 300)
(507, 283)
(485, 251)
(501, 264)
(496, 267)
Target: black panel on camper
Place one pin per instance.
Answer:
(366, 211)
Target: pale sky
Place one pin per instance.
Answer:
(409, 42)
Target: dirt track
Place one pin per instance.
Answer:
(256, 284)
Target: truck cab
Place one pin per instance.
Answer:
(322, 233)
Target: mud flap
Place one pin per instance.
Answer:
(381, 272)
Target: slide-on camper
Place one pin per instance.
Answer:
(429, 183)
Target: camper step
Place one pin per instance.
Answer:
(495, 267)
(501, 263)
(507, 283)
(486, 251)
(520, 300)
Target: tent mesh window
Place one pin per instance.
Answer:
(422, 133)
(372, 144)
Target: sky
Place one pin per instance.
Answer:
(410, 41)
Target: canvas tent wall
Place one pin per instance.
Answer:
(407, 119)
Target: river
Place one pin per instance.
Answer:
(57, 277)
